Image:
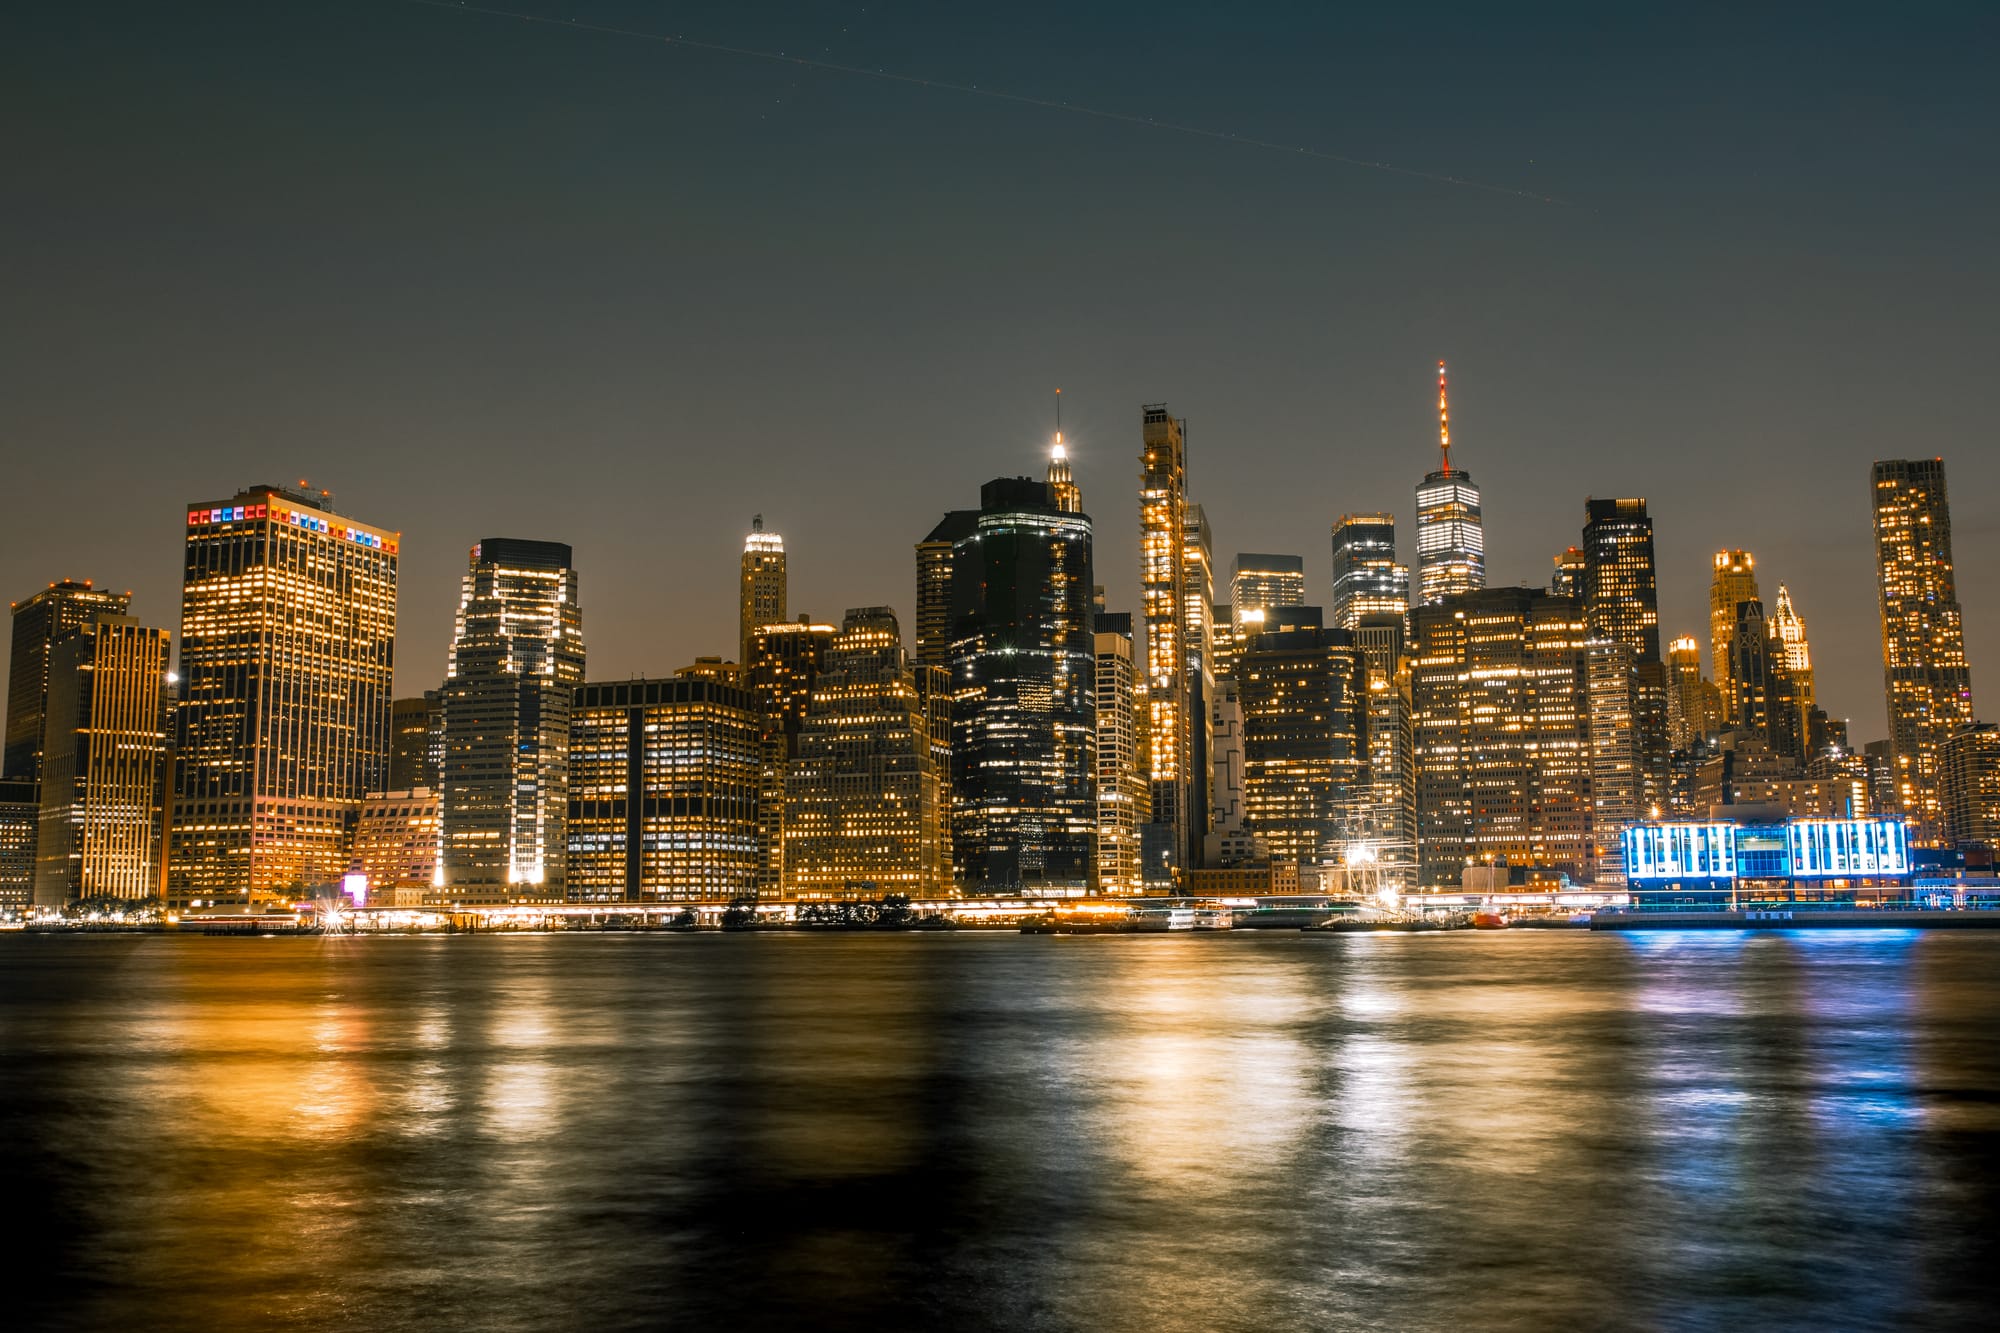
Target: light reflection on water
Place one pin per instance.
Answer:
(1252, 1132)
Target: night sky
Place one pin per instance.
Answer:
(486, 277)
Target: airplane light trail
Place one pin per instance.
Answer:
(995, 94)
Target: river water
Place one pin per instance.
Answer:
(1522, 1130)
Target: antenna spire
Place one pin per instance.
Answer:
(1060, 452)
(1444, 421)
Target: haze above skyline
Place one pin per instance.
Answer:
(483, 277)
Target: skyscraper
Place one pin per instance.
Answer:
(762, 585)
(1366, 578)
(1621, 604)
(1501, 704)
(1750, 669)
(1062, 483)
(1304, 695)
(1392, 773)
(1969, 785)
(1696, 707)
(1800, 723)
(19, 813)
(1615, 787)
(864, 799)
(288, 631)
(1928, 684)
(934, 628)
(1225, 640)
(102, 753)
(1198, 552)
(40, 623)
(1451, 541)
(516, 660)
(1163, 593)
(1122, 791)
(1259, 582)
(662, 799)
(1734, 582)
(1572, 569)
(1024, 809)
(413, 723)
(1621, 599)
(785, 662)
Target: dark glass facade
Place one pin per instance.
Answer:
(1023, 712)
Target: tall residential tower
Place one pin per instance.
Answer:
(1163, 598)
(1925, 676)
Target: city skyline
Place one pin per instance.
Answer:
(1609, 345)
(1845, 674)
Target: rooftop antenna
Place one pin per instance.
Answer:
(1444, 421)
(1059, 443)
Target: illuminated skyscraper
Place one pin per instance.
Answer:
(1789, 629)
(1499, 685)
(1259, 582)
(785, 661)
(19, 813)
(1163, 592)
(1695, 705)
(1062, 484)
(1304, 695)
(1969, 785)
(1615, 786)
(762, 585)
(934, 628)
(1122, 790)
(662, 792)
(1928, 684)
(1734, 582)
(1198, 552)
(1225, 640)
(516, 660)
(1392, 774)
(1571, 571)
(864, 802)
(414, 723)
(1451, 541)
(1367, 581)
(102, 753)
(1024, 810)
(1620, 594)
(288, 631)
(40, 623)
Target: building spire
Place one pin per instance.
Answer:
(1444, 421)
(1068, 498)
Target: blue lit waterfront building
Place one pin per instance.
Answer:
(1720, 862)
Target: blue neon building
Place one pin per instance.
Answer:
(1701, 861)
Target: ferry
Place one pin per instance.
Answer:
(1202, 916)
(1489, 920)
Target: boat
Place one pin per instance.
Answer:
(1489, 921)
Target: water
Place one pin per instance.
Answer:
(1530, 1130)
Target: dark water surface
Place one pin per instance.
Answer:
(1530, 1130)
